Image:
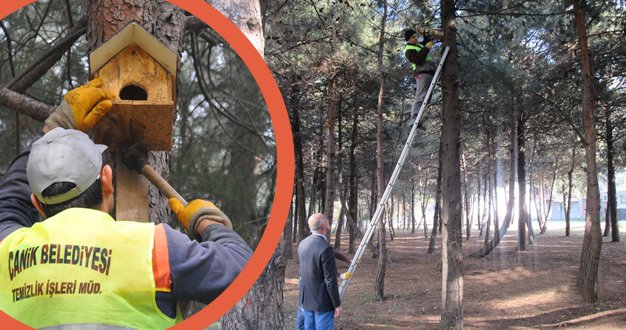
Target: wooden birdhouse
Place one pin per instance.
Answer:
(141, 72)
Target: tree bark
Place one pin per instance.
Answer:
(412, 206)
(521, 183)
(611, 204)
(548, 209)
(353, 200)
(261, 307)
(380, 168)
(569, 193)
(592, 243)
(288, 233)
(331, 154)
(342, 187)
(301, 215)
(489, 189)
(437, 214)
(248, 16)
(452, 210)
(466, 208)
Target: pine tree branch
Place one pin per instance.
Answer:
(25, 105)
(194, 23)
(36, 70)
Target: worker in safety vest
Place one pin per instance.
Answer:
(79, 268)
(417, 52)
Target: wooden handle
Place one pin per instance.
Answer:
(157, 180)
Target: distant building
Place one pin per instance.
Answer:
(579, 204)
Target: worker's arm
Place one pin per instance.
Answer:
(16, 209)
(330, 275)
(417, 57)
(200, 271)
(82, 108)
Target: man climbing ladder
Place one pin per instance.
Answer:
(422, 63)
(379, 210)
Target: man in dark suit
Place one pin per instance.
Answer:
(319, 292)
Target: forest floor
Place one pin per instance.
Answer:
(505, 290)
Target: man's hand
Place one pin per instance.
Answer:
(337, 311)
(345, 276)
(82, 107)
(191, 215)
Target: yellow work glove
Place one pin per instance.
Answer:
(82, 107)
(429, 44)
(190, 216)
(345, 276)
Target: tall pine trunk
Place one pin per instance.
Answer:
(353, 200)
(437, 214)
(261, 307)
(592, 243)
(380, 168)
(300, 212)
(521, 183)
(452, 204)
(611, 204)
(568, 206)
(331, 146)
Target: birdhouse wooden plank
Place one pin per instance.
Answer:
(141, 72)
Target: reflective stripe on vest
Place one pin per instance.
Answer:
(81, 266)
(417, 48)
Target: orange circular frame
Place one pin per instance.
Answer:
(284, 152)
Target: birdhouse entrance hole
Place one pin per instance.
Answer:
(134, 93)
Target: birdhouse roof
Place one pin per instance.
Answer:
(133, 33)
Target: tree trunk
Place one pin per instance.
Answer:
(288, 233)
(611, 204)
(353, 200)
(331, 154)
(404, 218)
(535, 198)
(381, 266)
(433, 233)
(592, 243)
(569, 193)
(316, 187)
(342, 187)
(339, 228)
(412, 206)
(521, 183)
(479, 221)
(607, 219)
(452, 210)
(548, 208)
(391, 217)
(380, 168)
(468, 222)
(261, 307)
(301, 215)
(488, 191)
(486, 202)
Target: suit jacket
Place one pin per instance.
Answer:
(319, 291)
